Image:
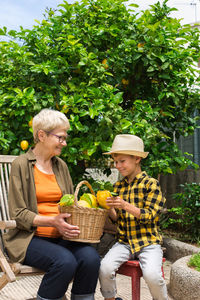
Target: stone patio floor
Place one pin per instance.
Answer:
(26, 287)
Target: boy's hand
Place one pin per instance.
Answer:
(116, 202)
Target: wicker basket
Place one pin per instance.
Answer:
(90, 220)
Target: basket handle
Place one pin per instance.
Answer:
(78, 188)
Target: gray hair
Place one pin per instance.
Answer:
(48, 120)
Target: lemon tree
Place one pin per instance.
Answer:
(110, 71)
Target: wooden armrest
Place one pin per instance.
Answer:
(7, 224)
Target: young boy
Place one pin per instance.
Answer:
(136, 210)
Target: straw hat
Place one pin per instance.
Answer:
(128, 144)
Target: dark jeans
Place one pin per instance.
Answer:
(64, 261)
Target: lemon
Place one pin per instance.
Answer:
(125, 81)
(30, 122)
(141, 45)
(101, 198)
(90, 198)
(66, 200)
(84, 203)
(24, 144)
(104, 63)
(65, 109)
(93, 200)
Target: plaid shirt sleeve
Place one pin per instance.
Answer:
(153, 201)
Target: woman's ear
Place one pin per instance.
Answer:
(41, 135)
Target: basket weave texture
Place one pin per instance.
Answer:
(89, 220)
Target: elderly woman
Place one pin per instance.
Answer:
(38, 180)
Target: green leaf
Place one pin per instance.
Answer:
(2, 32)
(150, 69)
(125, 124)
(91, 151)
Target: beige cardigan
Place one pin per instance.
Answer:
(23, 203)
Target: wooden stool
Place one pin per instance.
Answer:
(132, 268)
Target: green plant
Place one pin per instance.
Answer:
(110, 72)
(186, 216)
(195, 261)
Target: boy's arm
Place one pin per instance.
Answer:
(153, 203)
(117, 202)
(113, 214)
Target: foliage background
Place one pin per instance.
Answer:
(185, 216)
(110, 71)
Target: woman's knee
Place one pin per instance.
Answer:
(65, 264)
(90, 258)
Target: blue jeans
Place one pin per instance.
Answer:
(64, 261)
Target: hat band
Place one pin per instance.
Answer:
(129, 152)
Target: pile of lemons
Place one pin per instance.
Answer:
(88, 200)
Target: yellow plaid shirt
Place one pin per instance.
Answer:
(143, 192)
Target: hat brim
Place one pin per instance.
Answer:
(129, 152)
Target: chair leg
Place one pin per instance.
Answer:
(135, 286)
(163, 275)
(3, 281)
(5, 267)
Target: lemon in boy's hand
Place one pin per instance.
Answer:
(101, 198)
(24, 144)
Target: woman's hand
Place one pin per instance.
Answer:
(67, 230)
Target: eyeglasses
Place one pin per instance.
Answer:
(61, 138)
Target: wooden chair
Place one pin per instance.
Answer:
(132, 268)
(9, 270)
